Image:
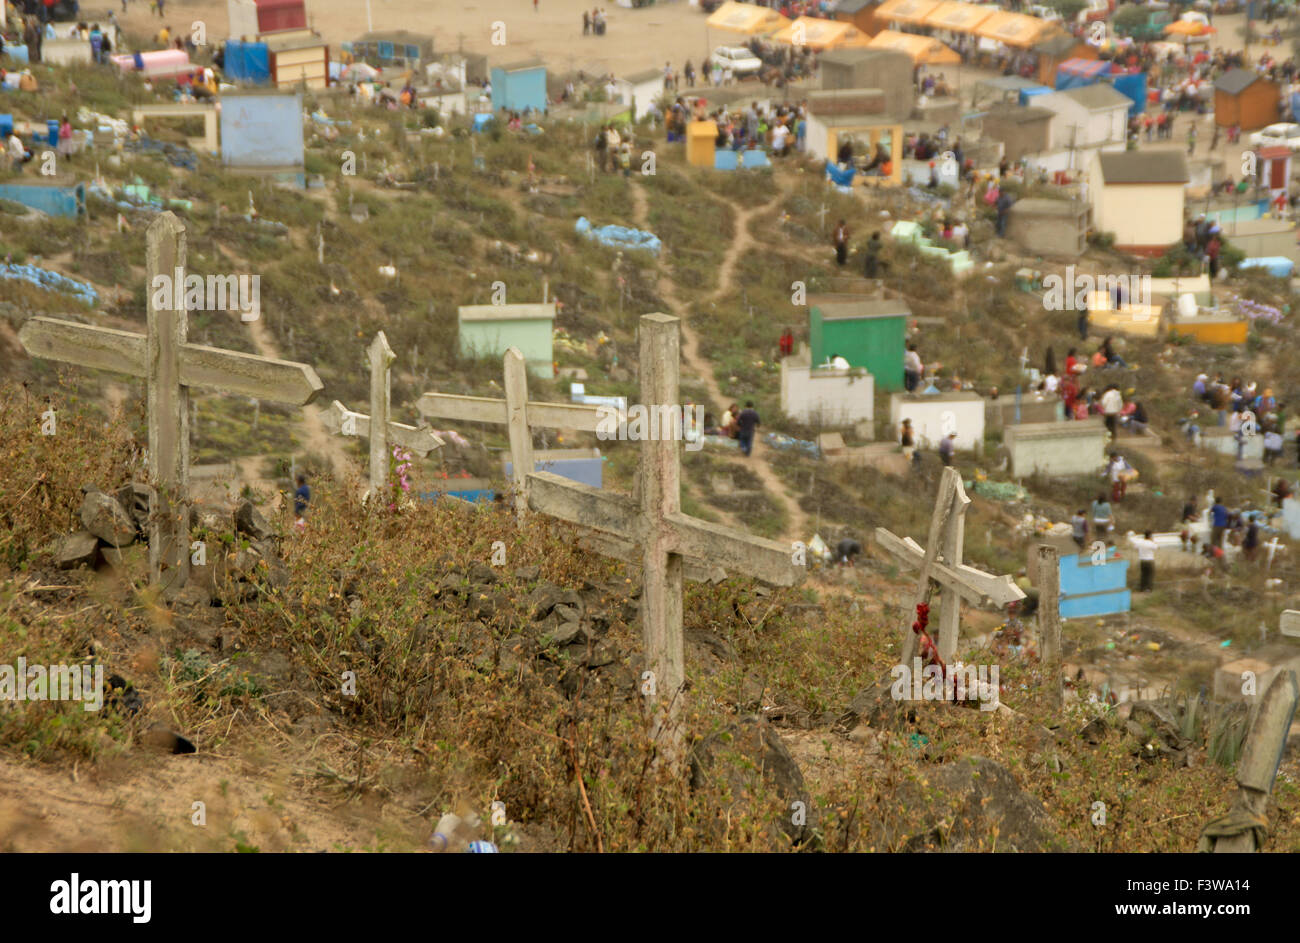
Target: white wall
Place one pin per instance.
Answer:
(1138, 214)
(243, 18)
(1076, 126)
(828, 397)
(930, 415)
(66, 51)
(816, 138)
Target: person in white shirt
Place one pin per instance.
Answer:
(1146, 548)
(1112, 404)
(1051, 383)
(779, 135)
(913, 369)
(17, 153)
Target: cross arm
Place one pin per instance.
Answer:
(99, 348)
(228, 371)
(737, 553)
(582, 504)
(418, 440)
(486, 409)
(971, 584)
(697, 571)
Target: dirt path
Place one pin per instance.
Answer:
(315, 437)
(797, 527)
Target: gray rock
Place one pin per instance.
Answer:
(105, 518)
(249, 520)
(76, 549)
(752, 744)
(135, 498)
(566, 633)
(482, 573)
(528, 573)
(960, 806)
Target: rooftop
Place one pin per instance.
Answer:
(1098, 97)
(851, 307)
(524, 312)
(1167, 165)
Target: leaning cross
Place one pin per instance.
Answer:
(653, 522)
(1241, 829)
(940, 561)
(170, 366)
(516, 413)
(377, 426)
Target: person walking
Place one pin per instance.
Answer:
(1079, 528)
(1112, 404)
(841, 243)
(301, 498)
(1218, 523)
(1103, 520)
(913, 368)
(746, 423)
(586, 23)
(871, 256)
(1146, 548)
(947, 445)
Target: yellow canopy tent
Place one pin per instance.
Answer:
(924, 50)
(1188, 28)
(1013, 29)
(818, 34)
(912, 12)
(745, 18)
(957, 17)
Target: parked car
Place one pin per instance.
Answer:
(740, 60)
(1277, 135)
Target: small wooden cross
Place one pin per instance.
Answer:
(516, 413)
(653, 522)
(940, 562)
(170, 366)
(342, 421)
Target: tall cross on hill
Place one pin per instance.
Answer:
(170, 366)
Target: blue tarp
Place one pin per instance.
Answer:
(50, 280)
(247, 62)
(619, 237)
(16, 53)
(474, 497)
(841, 178)
(1275, 265)
(54, 201)
(479, 122)
(1135, 87)
(6, 125)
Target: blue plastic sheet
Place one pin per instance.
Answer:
(51, 281)
(481, 121)
(1135, 87)
(247, 62)
(619, 237)
(1277, 265)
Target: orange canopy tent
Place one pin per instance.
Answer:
(1188, 28)
(746, 18)
(1013, 29)
(912, 12)
(924, 50)
(818, 34)
(957, 17)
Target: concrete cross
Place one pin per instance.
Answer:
(940, 561)
(652, 521)
(170, 366)
(1256, 770)
(377, 426)
(517, 414)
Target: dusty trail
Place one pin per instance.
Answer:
(796, 527)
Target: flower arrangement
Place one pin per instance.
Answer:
(399, 468)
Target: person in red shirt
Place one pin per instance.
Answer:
(787, 343)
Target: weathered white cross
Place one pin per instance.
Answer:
(653, 521)
(940, 561)
(377, 426)
(170, 366)
(517, 414)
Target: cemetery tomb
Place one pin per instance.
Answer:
(262, 130)
(907, 231)
(491, 330)
(825, 395)
(1134, 320)
(208, 113)
(1056, 449)
(1020, 408)
(701, 140)
(1222, 440)
(868, 332)
(1090, 589)
(934, 415)
(50, 195)
(519, 86)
